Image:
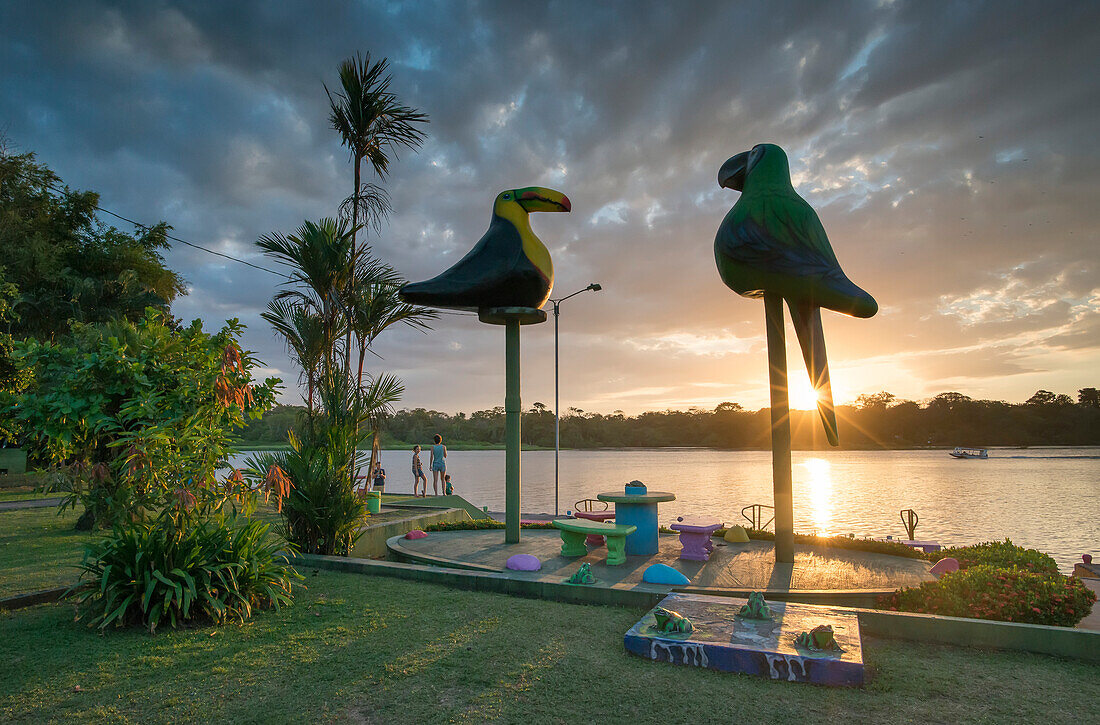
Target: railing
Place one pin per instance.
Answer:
(758, 516)
(909, 520)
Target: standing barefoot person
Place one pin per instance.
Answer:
(439, 464)
(418, 473)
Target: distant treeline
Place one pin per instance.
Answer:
(874, 421)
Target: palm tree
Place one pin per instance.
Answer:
(373, 307)
(303, 331)
(374, 125)
(322, 265)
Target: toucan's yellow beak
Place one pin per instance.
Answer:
(537, 198)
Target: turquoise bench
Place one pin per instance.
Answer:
(574, 531)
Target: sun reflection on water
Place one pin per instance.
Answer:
(820, 486)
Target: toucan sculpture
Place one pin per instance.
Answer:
(771, 242)
(508, 267)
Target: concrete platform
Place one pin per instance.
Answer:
(722, 640)
(819, 575)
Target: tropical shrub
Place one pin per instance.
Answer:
(202, 559)
(1008, 595)
(1002, 554)
(129, 412)
(321, 513)
(210, 570)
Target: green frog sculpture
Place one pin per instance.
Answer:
(582, 575)
(818, 639)
(757, 608)
(670, 622)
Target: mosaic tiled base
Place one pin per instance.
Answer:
(724, 641)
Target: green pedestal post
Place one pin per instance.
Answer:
(511, 318)
(512, 412)
(783, 498)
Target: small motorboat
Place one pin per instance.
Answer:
(960, 452)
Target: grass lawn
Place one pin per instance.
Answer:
(357, 648)
(25, 495)
(39, 549)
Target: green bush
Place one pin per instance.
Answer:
(179, 569)
(128, 412)
(1002, 554)
(321, 513)
(1006, 595)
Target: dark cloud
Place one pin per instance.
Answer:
(950, 149)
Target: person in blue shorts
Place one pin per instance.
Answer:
(419, 479)
(439, 464)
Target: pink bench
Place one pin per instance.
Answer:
(601, 516)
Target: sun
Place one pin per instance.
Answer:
(802, 394)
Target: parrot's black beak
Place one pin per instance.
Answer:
(732, 173)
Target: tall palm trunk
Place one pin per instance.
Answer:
(354, 257)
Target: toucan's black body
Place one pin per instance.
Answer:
(495, 273)
(508, 267)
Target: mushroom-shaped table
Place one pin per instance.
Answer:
(639, 510)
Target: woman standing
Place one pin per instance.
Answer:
(418, 473)
(439, 464)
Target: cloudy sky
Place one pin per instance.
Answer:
(951, 150)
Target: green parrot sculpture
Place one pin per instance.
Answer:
(771, 242)
(508, 267)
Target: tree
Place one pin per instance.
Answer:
(1088, 397)
(67, 266)
(13, 379)
(304, 333)
(322, 265)
(128, 413)
(949, 401)
(374, 306)
(877, 401)
(1042, 397)
(374, 125)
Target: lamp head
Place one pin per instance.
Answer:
(595, 287)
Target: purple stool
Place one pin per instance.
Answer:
(695, 536)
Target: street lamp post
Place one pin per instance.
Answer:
(557, 412)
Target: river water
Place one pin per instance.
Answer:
(1045, 498)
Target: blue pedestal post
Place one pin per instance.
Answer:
(643, 542)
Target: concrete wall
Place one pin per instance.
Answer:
(373, 542)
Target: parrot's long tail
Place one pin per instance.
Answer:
(807, 325)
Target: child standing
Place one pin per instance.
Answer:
(447, 487)
(418, 473)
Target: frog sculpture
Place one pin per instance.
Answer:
(582, 575)
(670, 622)
(757, 608)
(818, 639)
